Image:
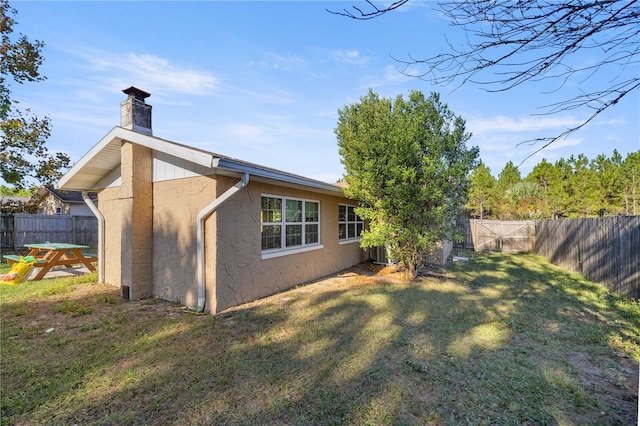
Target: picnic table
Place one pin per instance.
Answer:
(49, 255)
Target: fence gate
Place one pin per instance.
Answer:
(508, 237)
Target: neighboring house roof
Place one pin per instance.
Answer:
(11, 204)
(104, 157)
(65, 196)
(7, 199)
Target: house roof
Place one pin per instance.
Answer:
(8, 199)
(65, 196)
(87, 173)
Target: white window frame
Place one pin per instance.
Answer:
(283, 250)
(346, 222)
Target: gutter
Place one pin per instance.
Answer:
(100, 217)
(267, 173)
(200, 219)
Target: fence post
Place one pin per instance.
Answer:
(15, 232)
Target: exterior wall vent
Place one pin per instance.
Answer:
(125, 292)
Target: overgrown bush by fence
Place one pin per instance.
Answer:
(16, 230)
(604, 250)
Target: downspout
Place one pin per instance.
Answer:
(100, 217)
(201, 218)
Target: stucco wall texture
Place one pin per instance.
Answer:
(242, 275)
(235, 272)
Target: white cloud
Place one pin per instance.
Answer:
(277, 97)
(276, 61)
(393, 75)
(480, 125)
(150, 72)
(350, 57)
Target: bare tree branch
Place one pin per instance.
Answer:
(510, 43)
(588, 98)
(361, 15)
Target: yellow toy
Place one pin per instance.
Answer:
(19, 271)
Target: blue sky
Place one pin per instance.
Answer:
(263, 81)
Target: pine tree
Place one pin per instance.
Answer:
(630, 177)
(550, 177)
(482, 191)
(509, 176)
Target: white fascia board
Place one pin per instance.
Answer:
(187, 153)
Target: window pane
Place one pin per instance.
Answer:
(342, 213)
(359, 227)
(351, 214)
(293, 236)
(311, 212)
(293, 211)
(351, 228)
(342, 231)
(311, 234)
(271, 237)
(271, 209)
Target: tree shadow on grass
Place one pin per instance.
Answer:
(504, 339)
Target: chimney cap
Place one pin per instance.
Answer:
(137, 93)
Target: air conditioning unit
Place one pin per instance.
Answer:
(381, 256)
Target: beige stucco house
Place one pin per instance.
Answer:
(203, 229)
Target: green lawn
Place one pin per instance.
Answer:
(501, 339)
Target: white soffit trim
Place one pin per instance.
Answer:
(105, 156)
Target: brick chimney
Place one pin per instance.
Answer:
(135, 114)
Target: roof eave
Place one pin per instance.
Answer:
(276, 175)
(101, 159)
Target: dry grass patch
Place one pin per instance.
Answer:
(503, 339)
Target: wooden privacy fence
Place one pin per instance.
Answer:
(604, 250)
(16, 230)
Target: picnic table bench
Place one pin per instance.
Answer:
(48, 255)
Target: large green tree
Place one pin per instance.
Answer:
(583, 188)
(630, 176)
(408, 165)
(609, 183)
(574, 187)
(482, 191)
(551, 178)
(23, 152)
(508, 177)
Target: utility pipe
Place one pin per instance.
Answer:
(100, 217)
(200, 219)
